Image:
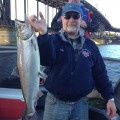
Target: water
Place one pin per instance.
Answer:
(113, 68)
(112, 51)
(8, 61)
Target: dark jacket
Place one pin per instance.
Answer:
(70, 80)
(92, 25)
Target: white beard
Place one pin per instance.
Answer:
(71, 29)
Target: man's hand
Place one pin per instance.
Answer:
(39, 25)
(111, 108)
(83, 24)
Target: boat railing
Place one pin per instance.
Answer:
(111, 59)
(8, 49)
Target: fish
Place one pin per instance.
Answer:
(28, 64)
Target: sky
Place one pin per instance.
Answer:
(109, 8)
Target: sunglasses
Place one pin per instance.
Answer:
(75, 16)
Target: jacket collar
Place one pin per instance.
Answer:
(64, 37)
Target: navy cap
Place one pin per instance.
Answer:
(71, 7)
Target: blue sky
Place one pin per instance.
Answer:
(109, 8)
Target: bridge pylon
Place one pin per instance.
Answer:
(7, 26)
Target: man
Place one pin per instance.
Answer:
(76, 66)
(88, 22)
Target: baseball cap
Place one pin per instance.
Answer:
(71, 7)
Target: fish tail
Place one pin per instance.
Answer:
(39, 94)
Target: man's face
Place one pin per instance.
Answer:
(71, 22)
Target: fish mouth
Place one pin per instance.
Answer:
(19, 20)
(23, 29)
(19, 23)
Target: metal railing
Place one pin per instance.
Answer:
(111, 59)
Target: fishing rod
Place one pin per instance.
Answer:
(15, 9)
(25, 9)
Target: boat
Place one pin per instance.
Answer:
(12, 105)
(12, 102)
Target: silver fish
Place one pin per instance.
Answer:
(28, 63)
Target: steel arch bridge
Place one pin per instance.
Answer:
(5, 12)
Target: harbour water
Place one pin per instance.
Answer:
(8, 61)
(113, 67)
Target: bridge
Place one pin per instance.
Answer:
(100, 18)
(104, 24)
(5, 14)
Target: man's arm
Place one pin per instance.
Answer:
(92, 24)
(103, 84)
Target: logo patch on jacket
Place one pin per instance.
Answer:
(86, 53)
